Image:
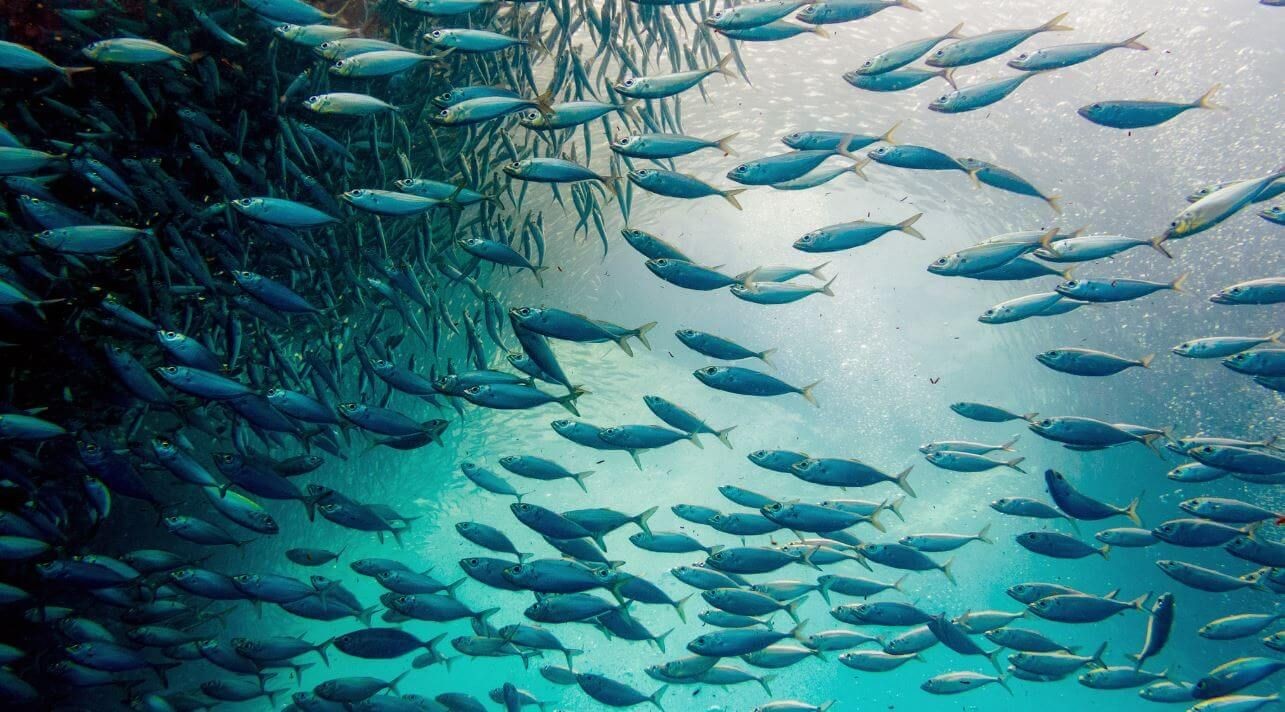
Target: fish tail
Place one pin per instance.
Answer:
(69, 72)
(321, 650)
(724, 66)
(1145, 361)
(580, 477)
(730, 196)
(725, 144)
(1176, 285)
(1275, 338)
(945, 569)
(819, 31)
(825, 288)
(393, 683)
(898, 583)
(1055, 203)
(903, 481)
(765, 356)
(905, 226)
(1014, 463)
(1157, 244)
(1055, 25)
(722, 436)
(763, 682)
(655, 697)
(1105, 552)
(641, 519)
(1206, 100)
(679, 607)
(874, 521)
(1140, 602)
(896, 507)
(1133, 43)
(1002, 679)
(806, 392)
(982, 535)
(887, 136)
(792, 609)
(797, 631)
(1097, 655)
(641, 333)
(364, 615)
(816, 271)
(949, 75)
(909, 5)
(859, 165)
(542, 102)
(1009, 444)
(1046, 241)
(538, 277)
(1131, 511)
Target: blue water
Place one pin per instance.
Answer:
(893, 348)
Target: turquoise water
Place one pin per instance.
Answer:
(892, 349)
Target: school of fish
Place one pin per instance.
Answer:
(243, 242)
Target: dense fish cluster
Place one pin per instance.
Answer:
(245, 243)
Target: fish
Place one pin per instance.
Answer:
(978, 48)
(744, 381)
(1136, 114)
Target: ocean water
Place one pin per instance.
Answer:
(892, 348)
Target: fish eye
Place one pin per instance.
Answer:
(943, 99)
(867, 63)
(741, 168)
(1096, 107)
(1022, 56)
(314, 99)
(938, 53)
(341, 63)
(435, 34)
(444, 113)
(662, 262)
(1072, 283)
(940, 261)
(1046, 422)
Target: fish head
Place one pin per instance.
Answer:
(1071, 288)
(945, 102)
(357, 196)
(943, 265)
(343, 67)
(1095, 112)
(512, 169)
(1230, 295)
(445, 117)
(1187, 347)
(316, 103)
(1052, 357)
(936, 58)
(807, 240)
(743, 172)
(796, 139)
(351, 408)
(623, 142)
(641, 176)
(532, 119)
(772, 508)
(1023, 60)
(626, 86)
(807, 465)
(167, 336)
